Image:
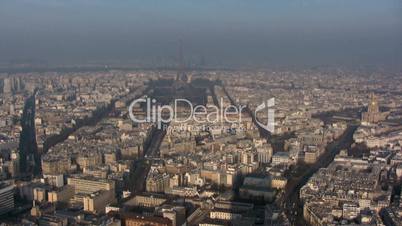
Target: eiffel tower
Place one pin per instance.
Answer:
(181, 73)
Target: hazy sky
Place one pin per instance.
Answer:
(223, 32)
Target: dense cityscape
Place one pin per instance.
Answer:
(71, 154)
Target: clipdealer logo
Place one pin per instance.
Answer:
(163, 114)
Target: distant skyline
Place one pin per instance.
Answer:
(233, 33)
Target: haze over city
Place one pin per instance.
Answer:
(214, 33)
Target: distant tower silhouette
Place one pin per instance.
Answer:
(181, 74)
(7, 85)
